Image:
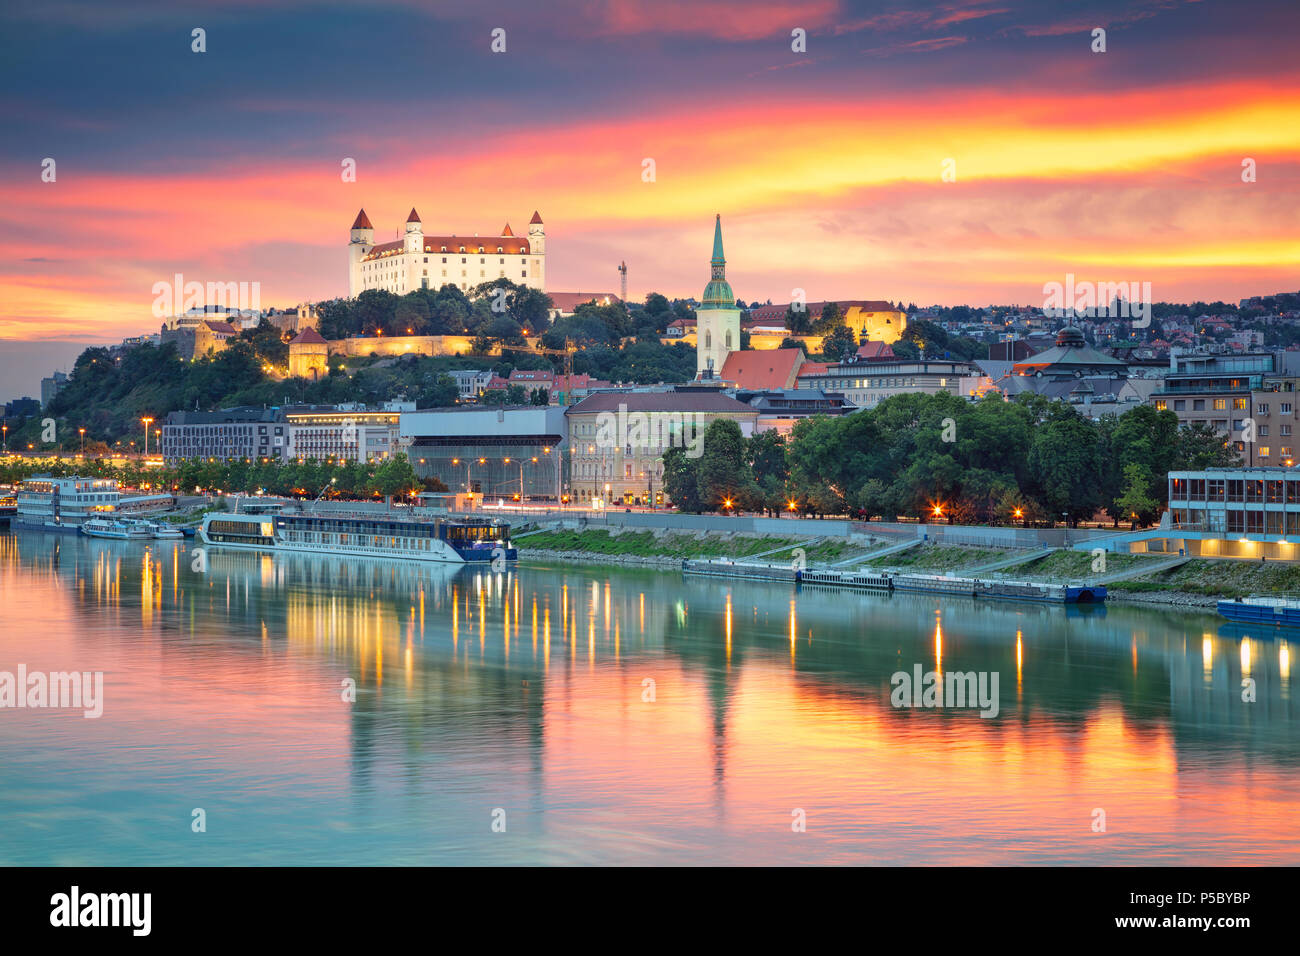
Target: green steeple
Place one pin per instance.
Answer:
(718, 294)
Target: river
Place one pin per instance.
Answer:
(296, 710)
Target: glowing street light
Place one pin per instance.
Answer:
(83, 441)
(147, 422)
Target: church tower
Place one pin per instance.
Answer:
(717, 320)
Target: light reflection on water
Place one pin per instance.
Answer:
(530, 691)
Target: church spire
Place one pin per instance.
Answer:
(718, 294)
(719, 261)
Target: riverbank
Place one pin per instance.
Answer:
(1198, 583)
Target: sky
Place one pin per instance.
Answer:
(827, 165)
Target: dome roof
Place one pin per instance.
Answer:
(718, 295)
(1070, 338)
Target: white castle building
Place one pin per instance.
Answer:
(419, 261)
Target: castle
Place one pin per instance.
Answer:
(418, 261)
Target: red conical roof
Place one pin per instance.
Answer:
(506, 231)
(362, 222)
(308, 336)
(414, 216)
(536, 220)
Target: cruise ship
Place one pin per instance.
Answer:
(416, 538)
(64, 504)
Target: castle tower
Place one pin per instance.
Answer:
(537, 252)
(414, 234)
(717, 320)
(309, 355)
(362, 241)
(622, 280)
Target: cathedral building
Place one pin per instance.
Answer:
(418, 261)
(717, 320)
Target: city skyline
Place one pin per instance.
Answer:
(828, 165)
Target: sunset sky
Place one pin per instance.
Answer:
(825, 165)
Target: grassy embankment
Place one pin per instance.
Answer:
(680, 545)
(1223, 578)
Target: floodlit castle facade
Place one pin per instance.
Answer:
(418, 261)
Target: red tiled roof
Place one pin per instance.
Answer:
(414, 216)
(506, 231)
(568, 383)
(308, 336)
(221, 328)
(362, 222)
(536, 220)
(775, 314)
(814, 368)
(531, 375)
(661, 402)
(876, 352)
(568, 301)
(765, 369)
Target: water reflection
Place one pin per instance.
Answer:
(617, 717)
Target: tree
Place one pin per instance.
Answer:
(722, 471)
(1135, 500)
(838, 343)
(830, 319)
(1065, 464)
(797, 319)
(679, 480)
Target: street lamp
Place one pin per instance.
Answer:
(83, 441)
(147, 422)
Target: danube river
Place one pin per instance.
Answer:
(578, 714)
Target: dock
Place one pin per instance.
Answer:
(889, 581)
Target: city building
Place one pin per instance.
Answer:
(490, 454)
(781, 409)
(606, 465)
(771, 369)
(230, 434)
(564, 304)
(418, 261)
(211, 336)
(471, 383)
(344, 432)
(1226, 392)
(717, 319)
(866, 384)
(1231, 513)
(51, 386)
(868, 318)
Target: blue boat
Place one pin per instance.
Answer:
(1277, 610)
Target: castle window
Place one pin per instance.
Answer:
(524, 274)
(426, 260)
(523, 261)
(463, 260)
(481, 261)
(462, 248)
(503, 262)
(499, 249)
(444, 249)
